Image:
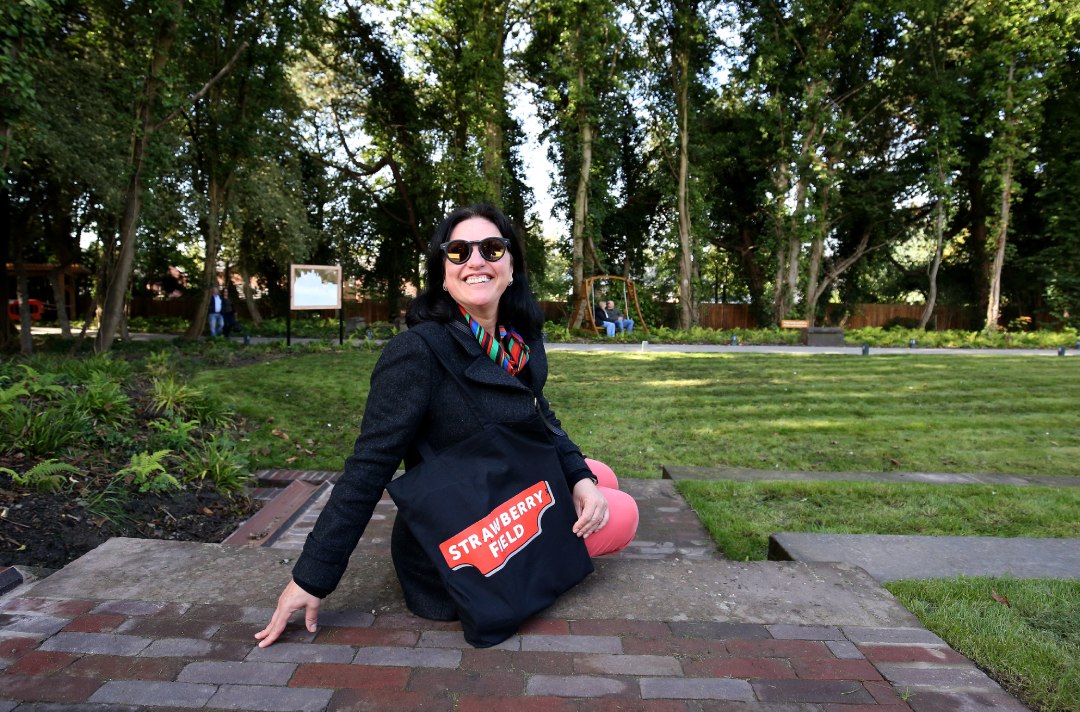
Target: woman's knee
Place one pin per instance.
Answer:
(605, 476)
(621, 527)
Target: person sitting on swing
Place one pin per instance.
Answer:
(603, 318)
(621, 323)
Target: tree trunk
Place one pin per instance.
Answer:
(581, 209)
(249, 296)
(57, 279)
(993, 306)
(935, 264)
(211, 229)
(687, 310)
(22, 292)
(817, 251)
(5, 255)
(120, 273)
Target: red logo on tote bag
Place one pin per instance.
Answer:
(489, 543)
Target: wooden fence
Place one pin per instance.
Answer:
(739, 316)
(726, 316)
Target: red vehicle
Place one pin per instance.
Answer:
(37, 308)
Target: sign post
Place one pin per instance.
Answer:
(314, 287)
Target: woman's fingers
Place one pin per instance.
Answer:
(292, 599)
(592, 508)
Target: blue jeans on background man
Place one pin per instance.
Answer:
(217, 322)
(626, 325)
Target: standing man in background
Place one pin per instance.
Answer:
(217, 321)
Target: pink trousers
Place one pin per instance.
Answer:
(622, 514)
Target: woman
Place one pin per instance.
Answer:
(476, 284)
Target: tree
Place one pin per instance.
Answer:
(243, 114)
(680, 45)
(1023, 42)
(578, 58)
(154, 109)
(24, 25)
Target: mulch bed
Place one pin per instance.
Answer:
(52, 530)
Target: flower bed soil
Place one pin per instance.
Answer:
(52, 530)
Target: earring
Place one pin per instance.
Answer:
(511, 281)
(444, 287)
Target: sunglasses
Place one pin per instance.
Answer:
(492, 249)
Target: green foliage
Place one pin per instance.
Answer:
(159, 363)
(45, 476)
(102, 399)
(107, 502)
(955, 339)
(41, 430)
(173, 433)
(146, 473)
(172, 398)
(219, 460)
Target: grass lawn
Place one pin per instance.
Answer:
(994, 414)
(924, 413)
(1031, 645)
(741, 515)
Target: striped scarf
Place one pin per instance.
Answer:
(508, 351)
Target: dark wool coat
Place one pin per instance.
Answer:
(412, 398)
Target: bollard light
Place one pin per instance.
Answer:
(866, 349)
(911, 343)
(734, 340)
(1061, 351)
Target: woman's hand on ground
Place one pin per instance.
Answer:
(591, 506)
(292, 599)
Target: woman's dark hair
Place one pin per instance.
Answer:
(517, 308)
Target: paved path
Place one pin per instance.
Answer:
(666, 625)
(645, 346)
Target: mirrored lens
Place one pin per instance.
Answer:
(492, 249)
(457, 251)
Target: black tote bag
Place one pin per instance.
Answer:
(495, 515)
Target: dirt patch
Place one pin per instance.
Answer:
(52, 530)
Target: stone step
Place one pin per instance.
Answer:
(887, 557)
(743, 474)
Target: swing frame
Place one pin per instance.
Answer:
(587, 300)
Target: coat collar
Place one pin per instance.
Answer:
(480, 367)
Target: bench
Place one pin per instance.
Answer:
(816, 335)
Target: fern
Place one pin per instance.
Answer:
(147, 472)
(45, 476)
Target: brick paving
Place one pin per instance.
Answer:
(88, 655)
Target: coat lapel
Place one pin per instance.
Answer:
(479, 367)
